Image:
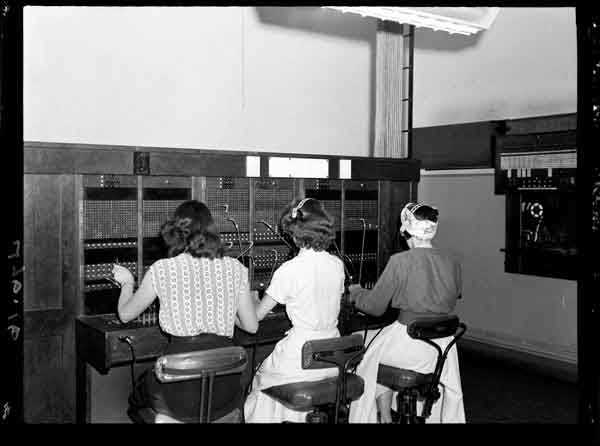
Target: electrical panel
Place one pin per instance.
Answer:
(537, 173)
(536, 161)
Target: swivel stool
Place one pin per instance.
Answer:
(325, 400)
(413, 386)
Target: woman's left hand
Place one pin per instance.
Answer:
(122, 275)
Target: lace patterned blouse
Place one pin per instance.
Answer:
(198, 295)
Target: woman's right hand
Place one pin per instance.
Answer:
(122, 275)
(355, 287)
(354, 291)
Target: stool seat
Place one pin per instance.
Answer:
(398, 379)
(305, 395)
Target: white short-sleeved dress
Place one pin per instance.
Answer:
(310, 286)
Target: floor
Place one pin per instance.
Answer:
(499, 392)
(494, 392)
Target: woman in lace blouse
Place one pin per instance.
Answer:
(202, 294)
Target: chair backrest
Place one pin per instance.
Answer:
(203, 365)
(342, 352)
(198, 364)
(433, 327)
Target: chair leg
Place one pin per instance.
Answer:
(316, 416)
(344, 414)
(407, 408)
(326, 415)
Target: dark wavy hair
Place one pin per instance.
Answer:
(192, 230)
(308, 224)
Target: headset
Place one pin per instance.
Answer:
(299, 206)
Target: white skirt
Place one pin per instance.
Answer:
(394, 347)
(284, 366)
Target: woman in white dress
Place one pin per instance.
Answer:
(310, 286)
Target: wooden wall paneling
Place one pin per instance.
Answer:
(42, 242)
(542, 124)
(54, 158)
(385, 169)
(44, 385)
(197, 164)
(455, 146)
(140, 231)
(60, 158)
(393, 195)
(51, 301)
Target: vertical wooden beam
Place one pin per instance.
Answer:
(409, 50)
(140, 229)
(393, 90)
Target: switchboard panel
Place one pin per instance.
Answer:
(361, 229)
(109, 231)
(271, 196)
(329, 193)
(270, 247)
(265, 260)
(160, 197)
(121, 221)
(123, 215)
(228, 201)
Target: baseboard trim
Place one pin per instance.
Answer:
(562, 370)
(562, 353)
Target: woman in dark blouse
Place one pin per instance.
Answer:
(423, 281)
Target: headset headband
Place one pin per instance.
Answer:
(415, 207)
(298, 206)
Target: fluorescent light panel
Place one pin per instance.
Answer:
(298, 167)
(460, 20)
(345, 169)
(252, 166)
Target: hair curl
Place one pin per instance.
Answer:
(192, 230)
(311, 227)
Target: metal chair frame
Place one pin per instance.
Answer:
(407, 398)
(343, 367)
(204, 365)
(341, 352)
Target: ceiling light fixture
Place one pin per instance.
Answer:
(460, 20)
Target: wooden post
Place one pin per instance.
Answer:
(393, 90)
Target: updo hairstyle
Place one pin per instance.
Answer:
(308, 224)
(192, 230)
